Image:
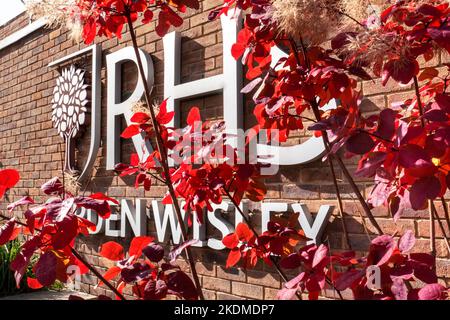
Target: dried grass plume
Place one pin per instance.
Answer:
(57, 14)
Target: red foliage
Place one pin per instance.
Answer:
(53, 227)
(405, 147)
(207, 165)
(107, 17)
(8, 179)
(144, 269)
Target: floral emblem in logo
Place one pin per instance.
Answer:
(69, 109)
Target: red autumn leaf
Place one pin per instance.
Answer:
(135, 272)
(8, 179)
(360, 143)
(240, 46)
(427, 188)
(292, 261)
(233, 258)
(131, 131)
(6, 231)
(68, 230)
(369, 166)
(101, 196)
(89, 31)
(193, 116)
(428, 74)
(140, 118)
(230, 241)
(381, 250)
(155, 290)
(401, 70)
(443, 102)
(46, 269)
(347, 279)
(154, 252)
(416, 160)
(163, 116)
(137, 244)
(181, 284)
(243, 232)
(110, 274)
(386, 125)
(101, 207)
(287, 294)
(436, 115)
(112, 251)
(148, 16)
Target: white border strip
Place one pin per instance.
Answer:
(22, 33)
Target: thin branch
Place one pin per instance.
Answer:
(445, 207)
(163, 156)
(441, 226)
(339, 199)
(431, 206)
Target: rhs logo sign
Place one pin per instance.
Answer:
(70, 107)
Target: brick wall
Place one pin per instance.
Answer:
(29, 143)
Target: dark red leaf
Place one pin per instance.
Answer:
(291, 262)
(386, 125)
(180, 283)
(155, 290)
(46, 269)
(347, 279)
(6, 231)
(154, 252)
(427, 188)
(360, 143)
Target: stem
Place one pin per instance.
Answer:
(430, 203)
(341, 207)
(447, 216)
(348, 176)
(441, 226)
(83, 261)
(97, 274)
(431, 210)
(163, 155)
